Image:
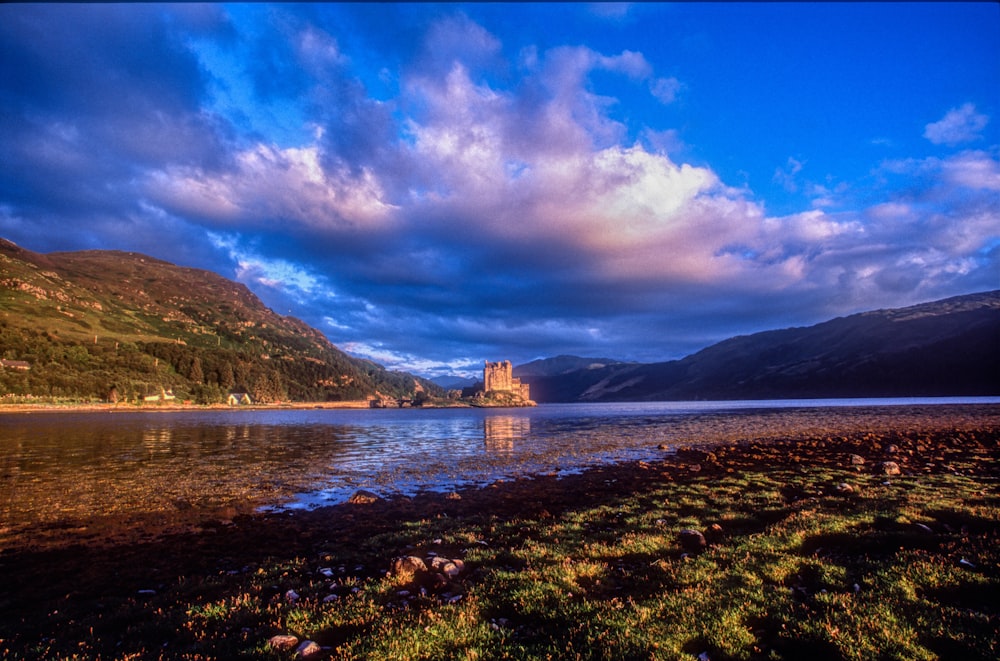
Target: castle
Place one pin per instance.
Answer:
(499, 377)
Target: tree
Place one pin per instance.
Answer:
(196, 374)
(226, 377)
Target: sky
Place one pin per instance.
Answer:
(435, 185)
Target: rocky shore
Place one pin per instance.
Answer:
(134, 594)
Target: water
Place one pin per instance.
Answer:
(64, 469)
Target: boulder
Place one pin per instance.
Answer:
(450, 568)
(714, 533)
(308, 649)
(889, 468)
(283, 642)
(362, 497)
(408, 567)
(691, 540)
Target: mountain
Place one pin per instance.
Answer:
(102, 323)
(948, 347)
(454, 382)
(562, 365)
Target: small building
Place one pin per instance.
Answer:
(239, 399)
(164, 396)
(20, 365)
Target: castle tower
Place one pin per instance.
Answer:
(498, 376)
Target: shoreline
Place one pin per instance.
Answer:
(92, 599)
(943, 400)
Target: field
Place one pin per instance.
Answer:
(803, 546)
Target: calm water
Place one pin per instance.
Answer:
(60, 468)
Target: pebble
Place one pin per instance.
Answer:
(292, 596)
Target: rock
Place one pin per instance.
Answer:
(408, 567)
(857, 460)
(292, 596)
(889, 468)
(692, 541)
(450, 568)
(283, 642)
(844, 489)
(308, 649)
(362, 497)
(892, 448)
(713, 533)
(696, 455)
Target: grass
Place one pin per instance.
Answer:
(900, 568)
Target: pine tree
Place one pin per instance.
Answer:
(196, 374)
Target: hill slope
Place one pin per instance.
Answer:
(948, 347)
(95, 324)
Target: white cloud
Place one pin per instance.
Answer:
(959, 125)
(665, 89)
(787, 176)
(269, 185)
(293, 279)
(974, 170)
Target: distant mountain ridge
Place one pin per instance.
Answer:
(454, 382)
(100, 323)
(562, 365)
(947, 347)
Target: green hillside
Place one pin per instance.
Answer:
(99, 325)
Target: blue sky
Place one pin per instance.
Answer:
(433, 185)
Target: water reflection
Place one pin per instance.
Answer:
(500, 432)
(56, 469)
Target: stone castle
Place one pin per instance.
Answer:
(499, 377)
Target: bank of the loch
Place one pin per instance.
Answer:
(856, 545)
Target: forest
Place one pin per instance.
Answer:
(121, 371)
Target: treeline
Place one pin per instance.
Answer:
(109, 370)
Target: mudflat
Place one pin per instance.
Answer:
(873, 536)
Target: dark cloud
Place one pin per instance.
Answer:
(439, 195)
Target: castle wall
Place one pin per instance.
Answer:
(498, 377)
